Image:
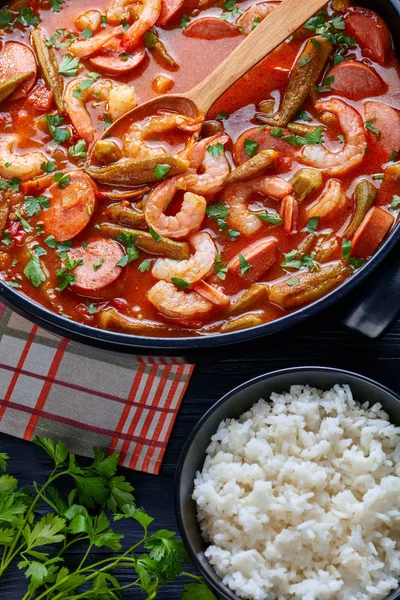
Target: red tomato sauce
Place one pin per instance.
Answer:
(33, 208)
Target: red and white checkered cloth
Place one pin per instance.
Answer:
(87, 397)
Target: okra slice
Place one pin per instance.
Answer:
(145, 241)
(129, 171)
(364, 196)
(49, 67)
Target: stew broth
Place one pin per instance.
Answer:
(305, 238)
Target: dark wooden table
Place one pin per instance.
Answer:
(320, 341)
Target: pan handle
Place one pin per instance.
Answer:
(377, 305)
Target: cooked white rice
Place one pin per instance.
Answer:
(300, 497)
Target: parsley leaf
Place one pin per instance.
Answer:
(370, 126)
(69, 66)
(48, 167)
(145, 266)
(216, 150)
(62, 180)
(312, 224)
(161, 171)
(184, 21)
(220, 268)
(92, 310)
(250, 147)
(156, 236)
(56, 5)
(78, 150)
(346, 254)
(244, 265)
(180, 283)
(395, 204)
(269, 217)
(34, 272)
(33, 206)
(222, 115)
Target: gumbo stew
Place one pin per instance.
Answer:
(170, 226)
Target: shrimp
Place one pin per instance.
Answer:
(331, 201)
(12, 165)
(175, 303)
(353, 152)
(122, 10)
(147, 17)
(236, 196)
(215, 167)
(120, 97)
(88, 46)
(89, 20)
(134, 146)
(254, 15)
(186, 221)
(194, 268)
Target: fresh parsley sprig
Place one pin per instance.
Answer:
(39, 524)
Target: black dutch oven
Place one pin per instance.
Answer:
(375, 292)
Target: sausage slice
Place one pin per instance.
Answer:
(354, 80)
(371, 32)
(169, 8)
(210, 28)
(371, 232)
(260, 256)
(114, 62)
(99, 268)
(71, 208)
(386, 120)
(16, 58)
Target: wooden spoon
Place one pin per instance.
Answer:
(272, 31)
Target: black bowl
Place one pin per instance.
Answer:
(232, 405)
(383, 305)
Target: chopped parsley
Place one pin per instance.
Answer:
(218, 213)
(97, 264)
(312, 224)
(395, 204)
(64, 275)
(231, 10)
(277, 132)
(346, 255)
(58, 134)
(393, 156)
(250, 147)
(27, 17)
(156, 236)
(78, 150)
(370, 126)
(25, 225)
(304, 61)
(220, 268)
(62, 180)
(56, 5)
(180, 283)
(378, 176)
(107, 120)
(87, 33)
(291, 260)
(303, 115)
(312, 138)
(332, 29)
(216, 150)
(341, 138)
(92, 310)
(184, 21)
(161, 171)
(61, 246)
(34, 206)
(48, 167)
(132, 253)
(293, 281)
(84, 85)
(269, 217)
(222, 115)
(144, 266)
(244, 265)
(326, 85)
(150, 39)
(69, 66)
(33, 271)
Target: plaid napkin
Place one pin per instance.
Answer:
(86, 396)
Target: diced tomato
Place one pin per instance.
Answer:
(41, 97)
(17, 234)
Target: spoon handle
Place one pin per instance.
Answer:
(272, 31)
